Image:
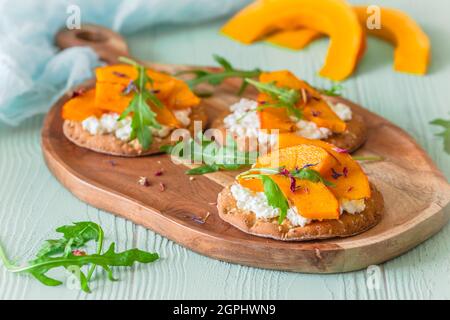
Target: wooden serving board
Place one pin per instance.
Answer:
(416, 198)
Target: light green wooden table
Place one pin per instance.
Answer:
(33, 203)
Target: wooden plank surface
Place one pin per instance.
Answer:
(33, 202)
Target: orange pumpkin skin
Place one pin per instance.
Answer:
(316, 110)
(354, 186)
(81, 107)
(332, 17)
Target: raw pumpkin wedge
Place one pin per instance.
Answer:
(300, 38)
(332, 17)
(81, 107)
(412, 46)
(298, 156)
(316, 110)
(350, 180)
(294, 39)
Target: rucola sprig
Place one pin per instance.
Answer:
(143, 117)
(217, 78)
(66, 252)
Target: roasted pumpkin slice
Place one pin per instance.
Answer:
(110, 95)
(275, 119)
(81, 107)
(166, 117)
(252, 184)
(181, 97)
(112, 80)
(316, 110)
(332, 17)
(84, 106)
(312, 200)
(319, 112)
(118, 73)
(350, 180)
(412, 46)
(299, 156)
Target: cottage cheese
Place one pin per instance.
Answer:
(343, 111)
(256, 202)
(310, 130)
(243, 121)
(352, 206)
(91, 125)
(183, 116)
(296, 219)
(123, 129)
(108, 123)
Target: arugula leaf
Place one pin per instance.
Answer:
(367, 158)
(203, 169)
(140, 106)
(334, 91)
(74, 236)
(311, 175)
(127, 258)
(275, 197)
(212, 155)
(444, 134)
(285, 97)
(216, 78)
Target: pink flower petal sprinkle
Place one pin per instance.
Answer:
(340, 150)
(78, 253)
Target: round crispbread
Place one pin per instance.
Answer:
(351, 139)
(347, 225)
(109, 144)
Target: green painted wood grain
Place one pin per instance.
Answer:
(32, 202)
